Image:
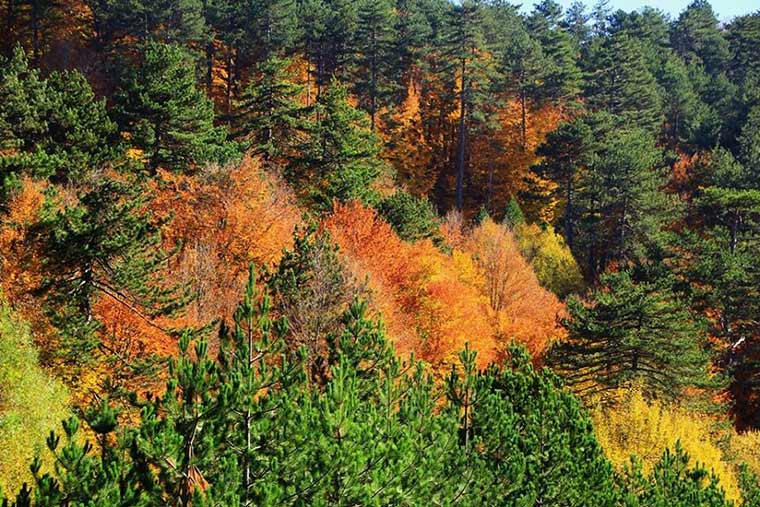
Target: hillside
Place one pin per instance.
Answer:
(378, 252)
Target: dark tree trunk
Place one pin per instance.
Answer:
(462, 136)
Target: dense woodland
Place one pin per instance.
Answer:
(378, 252)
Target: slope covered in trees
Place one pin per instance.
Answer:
(504, 190)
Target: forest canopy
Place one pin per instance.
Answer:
(378, 252)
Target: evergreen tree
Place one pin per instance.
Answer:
(270, 113)
(165, 114)
(566, 151)
(684, 111)
(631, 332)
(623, 85)
(513, 215)
(168, 21)
(576, 23)
(341, 156)
(696, 36)
(561, 77)
(464, 42)
(411, 217)
(51, 128)
(412, 30)
(271, 27)
(623, 209)
(522, 67)
(672, 483)
(374, 66)
(744, 45)
(312, 290)
(104, 245)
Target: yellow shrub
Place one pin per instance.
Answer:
(647, 428)
(745, 448)
(551, 259)
(31, 403)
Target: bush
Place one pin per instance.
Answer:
(31, 403)
(411, 217)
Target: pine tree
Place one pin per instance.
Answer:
(51, 128)
(623, 208)
(374, 66)
(522, 68)
(744, 45)
(623, 85)
(561, 77)
(513, 215)
(684, 111)
(270, 114)
(411, 42)
(312, 289)
(411, 217)
(696, 36)
(39, 15)
(576, 23)
(631, 332)
(464, 42)
(165, 114)
(672, 482)
(106, 245)
(271, 28)
(120, 21)
(340, 158)
(566, 151)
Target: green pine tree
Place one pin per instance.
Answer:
(623, 85)
(270, 114)
(167, 116)
(631, 332)
(340, 159)
(51, 128)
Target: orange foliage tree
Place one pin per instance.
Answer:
(433, 303)
(522, 309)
(222, 221)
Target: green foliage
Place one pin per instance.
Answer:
(750, 486)
(270, 116)
(372, 82)
(166, 116)
(631, 332)
(251, 427)
(340, 160)
(31, 402)
(106, 244)
(697, 38)
(119, 21)
(513, 215)
(623, 85)
(51, 128)
(413, 218)
(673, 483)
(312, 290)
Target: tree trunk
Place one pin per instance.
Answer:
(734, 232)
(462, 136)
(308, 70)
(524, 119)
(35, 32)
(373, 82)
(569, 218)
(209, 66)
(228, 100)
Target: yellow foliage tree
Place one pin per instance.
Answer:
(636, 426)
(552, 260)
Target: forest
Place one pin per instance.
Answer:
(378, 253)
